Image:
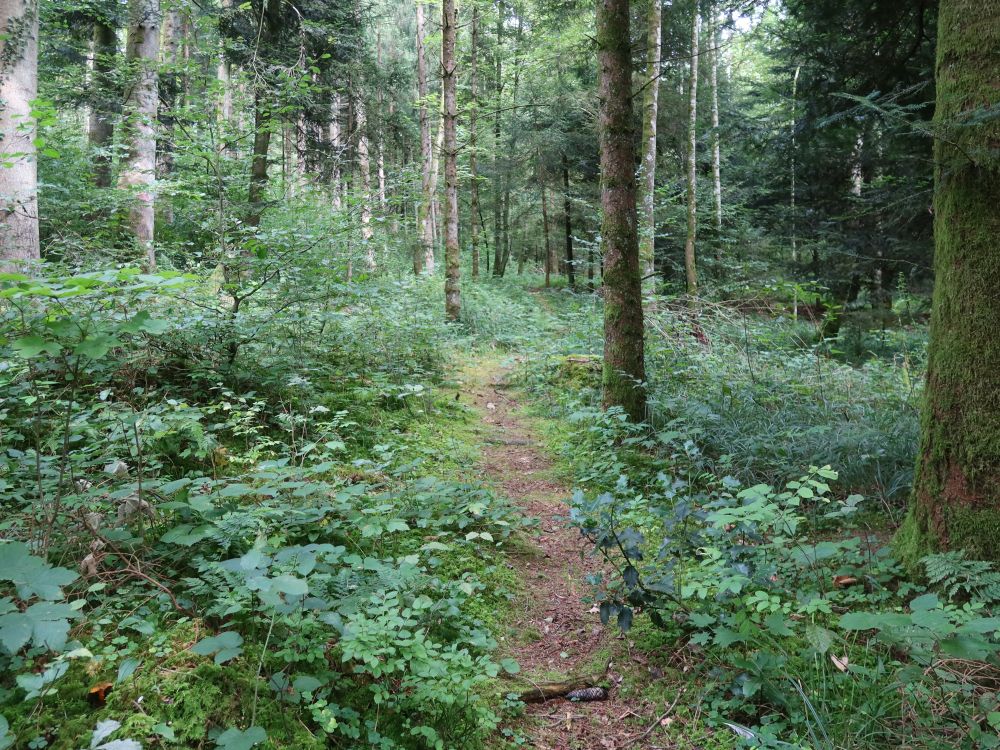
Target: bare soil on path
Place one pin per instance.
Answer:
(559, 633)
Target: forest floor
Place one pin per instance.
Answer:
(556, 635)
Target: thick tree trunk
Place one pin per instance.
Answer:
(690, 263)
(138, 172)
(452, 295)
(715, 44)
(650, 102)
(473, 116)
(18, 174)
(426, 246)
(568, 223)
(624, 368)
(956, 496)
(258, 165)
(103, 105)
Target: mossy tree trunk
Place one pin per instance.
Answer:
(624, 369)
(956, 499)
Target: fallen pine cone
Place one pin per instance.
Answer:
(587, 694)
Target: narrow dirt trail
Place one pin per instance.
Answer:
(558, 634)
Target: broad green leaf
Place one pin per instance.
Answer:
(33, 345)
(234, 739)
(96, 346)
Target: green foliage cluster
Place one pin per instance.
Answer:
(782, 597)
(266, 556)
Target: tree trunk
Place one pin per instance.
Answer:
(224, 76)
(18, 174)
(550, 257)
(624, 368)
(435, 213)
(258, 165)
(453, 302)
(791, 202)
(100, 125)
(138, 172)
(364, 167)
(426, 246)
(336, 152)
(715, 46)
(649, 109)
(568, 220)
(690, 266)
(173, 28)
(498, 248)
(956, 496)
(473, 116)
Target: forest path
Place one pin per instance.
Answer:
(555, 634)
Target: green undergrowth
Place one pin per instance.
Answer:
(263, 529)
(756, 580)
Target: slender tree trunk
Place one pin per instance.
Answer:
(550, 257)
(224, 76)
(690, 265)
(364, 167)
(426, 247)
(792, 169)
(956, 494)
(170, 46)
(380, 142)
(624, 367)
(715, 46)
(498, 247)
(101, 125)
(258, 165)
(473, 117)
(138, 172)
(18, 176)
(647, 247)
(336, 152)
(435, 214)
(568, 222)
(452, 294)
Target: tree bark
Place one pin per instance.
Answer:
(169, 88)
(792, 167)
(647, 247)
(550, 257)
(498, 248)
(138, 172)
(364, 167)
(452, 294)
(568, 223)
(336, 152)
(100, 123)
(473, 116)
(956, 496)
(715, 45)
(426, 246)
(690, 264)
(18, 174)
(624, 368)
(258, 164)
(224, 76)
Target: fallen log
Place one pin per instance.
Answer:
(581, 688)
